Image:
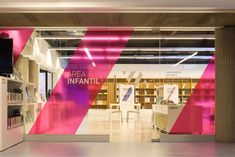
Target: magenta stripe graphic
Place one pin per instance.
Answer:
(197, 116)
(80, 82)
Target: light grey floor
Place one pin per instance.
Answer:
(144, 149)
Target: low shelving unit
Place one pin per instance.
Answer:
(11, 109)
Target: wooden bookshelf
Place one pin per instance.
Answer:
(146, 90)
(29, 71)
(101, 101)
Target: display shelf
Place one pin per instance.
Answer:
(29, 70)
(30, 84)
(14, 122)
(164, 116)
(30, 103)
(11, 128)
(15, 104)
(144, 88)
(147, 88)
(14, 81)
(16, 127)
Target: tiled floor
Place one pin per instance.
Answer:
(97, 122)
(130, 139)
(120, 149)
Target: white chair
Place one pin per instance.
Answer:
(135, 109)
(114, 108)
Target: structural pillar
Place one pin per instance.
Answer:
(225, 84)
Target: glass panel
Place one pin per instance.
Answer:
(49, 83)
(42, 83)
(165, 78)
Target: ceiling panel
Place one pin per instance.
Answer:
(117, 19)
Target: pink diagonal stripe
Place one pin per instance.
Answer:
(80, 82)
(197, 116)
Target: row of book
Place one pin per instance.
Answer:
(14, 97)
(146, 86)
(146, 100)
(146, 93)
(14, 122)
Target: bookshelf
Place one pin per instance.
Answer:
(146, 90)
(30, 74)
(145, 93)
(101, 101)
(164, 116)
(30, 104)
(11, 112)
(18, 98)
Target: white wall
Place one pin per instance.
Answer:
(158, 70)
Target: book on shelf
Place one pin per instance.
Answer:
(13, 97)
(147, 100)
(99, 102)
(136, 99)
(13, 122)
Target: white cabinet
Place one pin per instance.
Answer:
(11, 119)
(164, 116)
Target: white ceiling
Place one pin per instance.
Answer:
(117, 5)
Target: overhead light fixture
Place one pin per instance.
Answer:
(59, 37)
(194, 54)
(102, 38)
(147, 49)
(172, 38)
(75, 49)
(93, 64)
(88, 53)
(124, 28)
(138, 57)
(89, 56)
(81, 36)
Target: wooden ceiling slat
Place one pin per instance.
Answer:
(117, 19)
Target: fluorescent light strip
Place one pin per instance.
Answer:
(185, 59)
(117, 38)
(143, 57)
(164, 57)
(93, 64)
(153, 49)
(125, 28)
(75, 49)
(104, 38)
(59, 37)
(89, 56)
(88, 53)
(172, 38)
